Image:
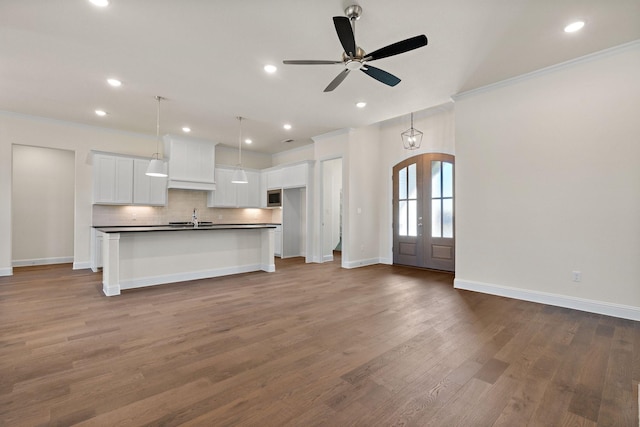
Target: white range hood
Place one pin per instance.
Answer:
(191, 162)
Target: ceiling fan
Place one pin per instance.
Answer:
(354, 58)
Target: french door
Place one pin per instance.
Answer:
(423, 212)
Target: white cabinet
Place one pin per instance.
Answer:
(295, 176)
(191, 163)
(112, 179)
(147, 190)
(121, 180)
(230, 195)
(274, 179)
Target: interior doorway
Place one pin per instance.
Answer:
(423, 212)
(331, 212)
(42, 205)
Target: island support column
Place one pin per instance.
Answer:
(267, 241)
(111, 264)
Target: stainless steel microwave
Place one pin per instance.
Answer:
(274, 198)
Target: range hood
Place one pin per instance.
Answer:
(191, 162)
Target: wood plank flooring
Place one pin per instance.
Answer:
(308, 345)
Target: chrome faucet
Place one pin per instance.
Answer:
(194, 218)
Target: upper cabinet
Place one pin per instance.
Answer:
(121, 180)
(112, 179)
(147, 190)
(295, 176)
(230, 195)
(191, 162)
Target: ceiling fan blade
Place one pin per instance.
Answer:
(380, 75)
(398, 47)
(339, 78)
(309, 62)
(345, 34)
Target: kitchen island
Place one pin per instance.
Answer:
(134, 257)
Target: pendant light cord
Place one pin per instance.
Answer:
(157, 153)
(240, 141)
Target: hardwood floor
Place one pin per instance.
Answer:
(311, 344)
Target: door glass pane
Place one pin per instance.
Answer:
(413, 218)
(447, 218)
(435, 179)
(436, 218)
(402, 183)
(412, 182)
(402, 218)
(447, 179)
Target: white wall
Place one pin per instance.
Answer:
(24, 130)
(548, 182)
(250, 159)
(42, 205)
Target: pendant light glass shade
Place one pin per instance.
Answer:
(157, 167)
(239, 175)
(412, 137)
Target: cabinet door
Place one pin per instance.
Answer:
(225, 193)
(147, 190)
(274, 179)
(113, 179)
(294, 176)
(248, 195)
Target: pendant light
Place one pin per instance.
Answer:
(239, 175)
(156, 165)
(412, 137)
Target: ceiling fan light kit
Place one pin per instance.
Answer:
(355, 58)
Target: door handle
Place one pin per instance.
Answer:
(419, 224)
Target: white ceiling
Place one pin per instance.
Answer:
(207, 58)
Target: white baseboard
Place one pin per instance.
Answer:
(591, 306)
(361, 263)
(327, 258)
(41, 261)
(6, 271)
(388, 261)
(82, 265)
(269, 268)
(184, 277)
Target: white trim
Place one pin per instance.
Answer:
(184, 277)
(42, 261)
(327, 258)
(361, 263)
(546, 70)
(82, 266)
(591, 306)
(384, 260)
(269, 268)
(6, 271)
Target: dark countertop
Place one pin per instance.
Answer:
(146, 228)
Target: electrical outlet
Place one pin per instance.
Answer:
(576, 276)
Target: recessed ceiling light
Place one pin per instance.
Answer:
(361, 104)
(573, 27)
(248, 141)
(186, 129)
(101, 113)
(270, 68)
(100, 3)
(114, 82)
(287, 126)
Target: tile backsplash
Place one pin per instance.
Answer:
(179, 207)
